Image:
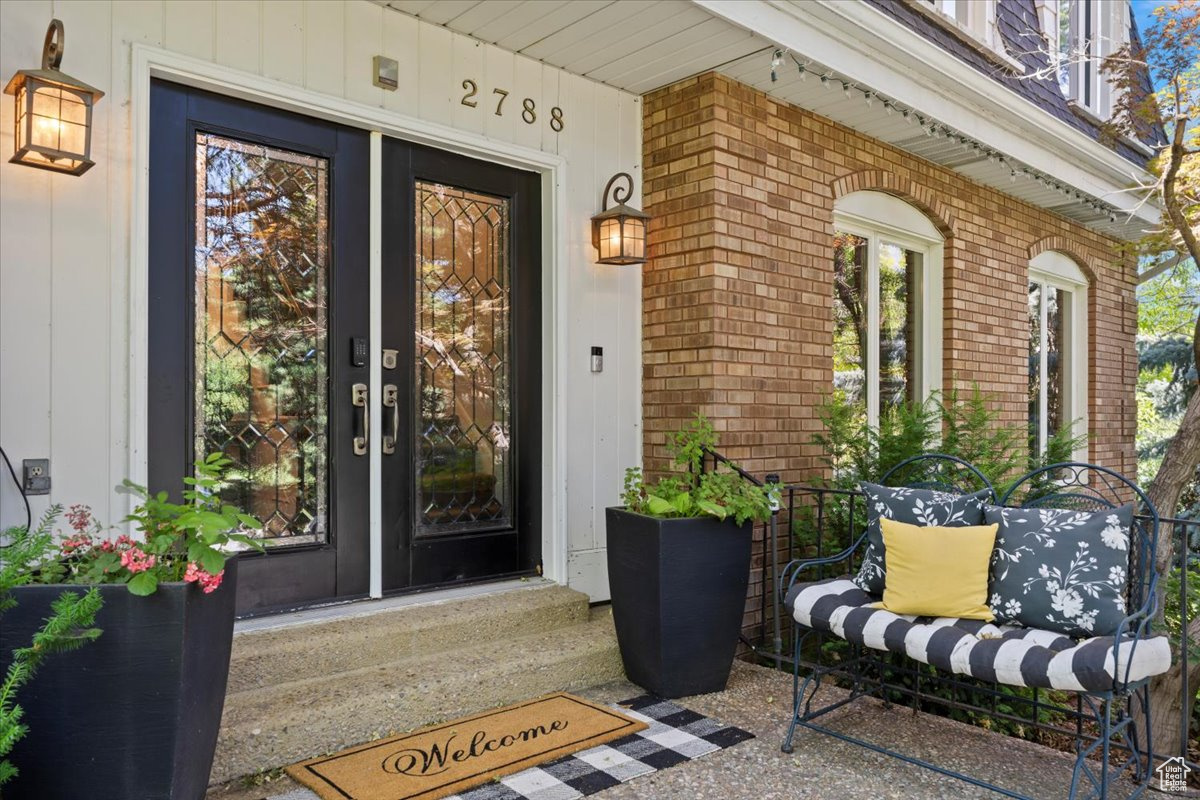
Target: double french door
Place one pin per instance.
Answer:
(261, 348)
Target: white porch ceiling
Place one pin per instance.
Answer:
(641, 45)
(634, 45)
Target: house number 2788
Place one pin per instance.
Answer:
(528, 106)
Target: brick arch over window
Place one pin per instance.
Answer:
(911, 192)
(1060, 244)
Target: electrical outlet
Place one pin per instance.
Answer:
(37, 475)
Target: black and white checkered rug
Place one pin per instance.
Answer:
(675, 735)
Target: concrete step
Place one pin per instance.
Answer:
(271, 726)
(378, 633)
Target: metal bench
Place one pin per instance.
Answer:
(1108, 675)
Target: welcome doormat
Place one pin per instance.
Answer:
(672, 735)
(442, 759)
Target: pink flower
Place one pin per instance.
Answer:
(211, 582)
(136, 560)
(196, 574)
(72, 544)
(79, 517)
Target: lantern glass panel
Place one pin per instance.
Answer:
(74, 109)
(635, 238)
(46, 99)
(610, 238)
(59, 120)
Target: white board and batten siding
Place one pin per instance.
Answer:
(66, 352)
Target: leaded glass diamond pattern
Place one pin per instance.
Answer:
(261, 264)
(464, 466)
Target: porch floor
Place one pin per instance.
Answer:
(757, 699)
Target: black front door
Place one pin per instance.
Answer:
(260, 347)
(258, 284)
(462, 418)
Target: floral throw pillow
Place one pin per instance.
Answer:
(925, 507)
(1059, 570)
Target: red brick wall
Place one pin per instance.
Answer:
(736, 299)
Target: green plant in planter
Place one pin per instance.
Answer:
(69, 626)
(721, 493)
(170, 545)
(187, 541)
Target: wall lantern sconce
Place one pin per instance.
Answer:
(54, 113)
(619, 233)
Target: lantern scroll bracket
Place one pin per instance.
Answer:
(55, 44)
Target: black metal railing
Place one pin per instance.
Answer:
(816, 522)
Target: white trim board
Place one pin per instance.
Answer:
(154, 62)
(375, 371)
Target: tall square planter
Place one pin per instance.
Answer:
(678, 596)
(134, 714)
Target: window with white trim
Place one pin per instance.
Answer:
(1057, 349)
(887, 303)
(1080, 35)
(976, 17)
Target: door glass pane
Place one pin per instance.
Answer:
(898, 349)
(850, 320)
(464, 396)
(261, 270)
(1035, 367)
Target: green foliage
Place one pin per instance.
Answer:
(688, 446)
(179, 541)
(1167, 303)
(854, 451)
(1167, 308)
(1172, 605)
(200, 530)
(969, 428)
(720, 493)
(971, 431)
(1166, 372)
(23, 550)
(69, 626)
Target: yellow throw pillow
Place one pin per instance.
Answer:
(937, 572)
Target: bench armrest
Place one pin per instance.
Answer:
(1137, 627)
(792, 570)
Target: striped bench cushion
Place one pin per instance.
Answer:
(1002, 653)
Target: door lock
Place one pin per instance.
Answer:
(389, 358)
(358, 397)
(390, 396)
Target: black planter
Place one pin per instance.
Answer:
(678, 595)
(133, 715)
